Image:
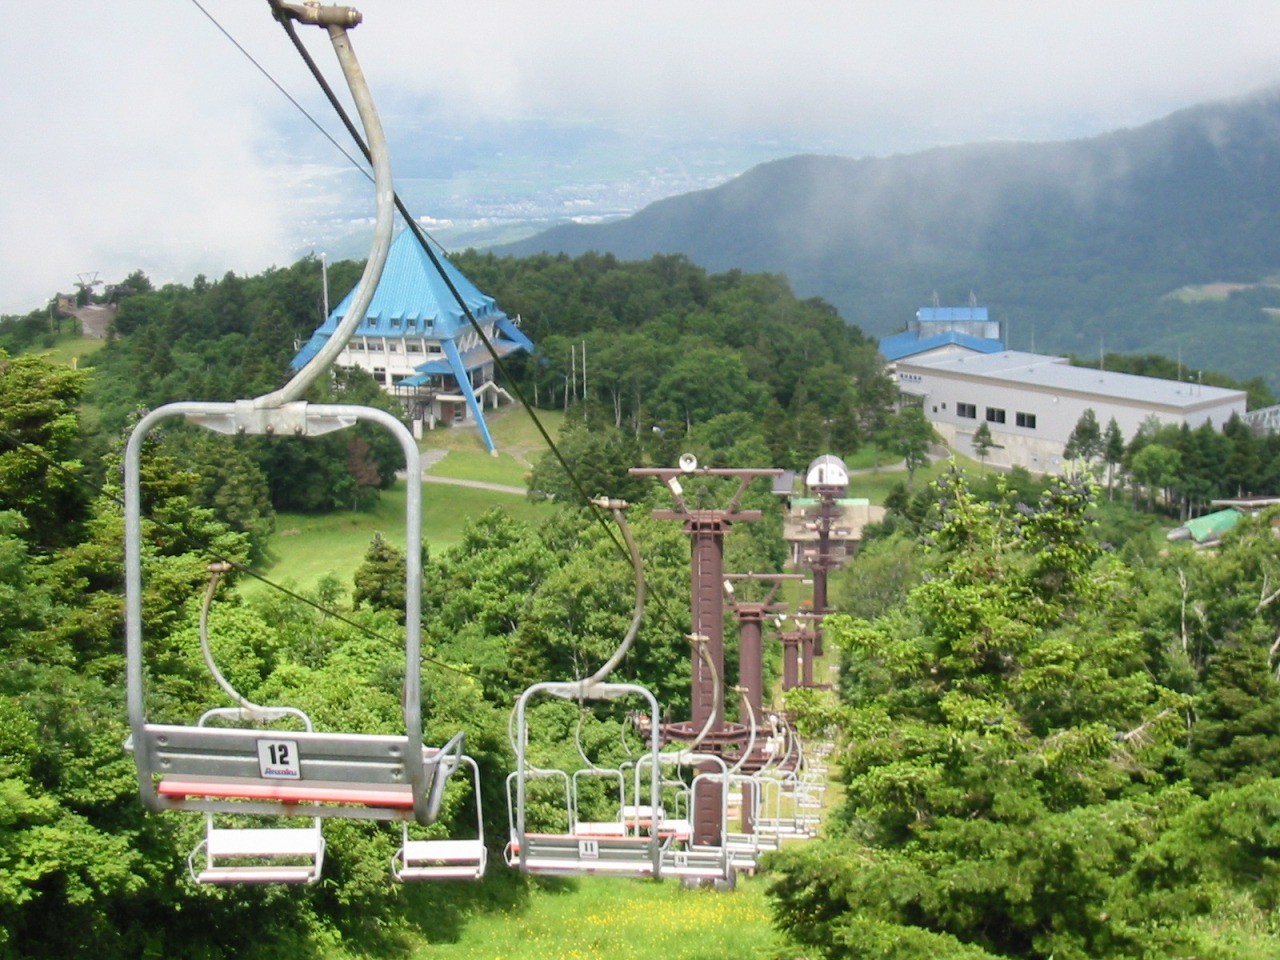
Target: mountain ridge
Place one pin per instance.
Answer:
(1075, 240)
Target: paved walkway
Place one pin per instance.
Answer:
(476, 484)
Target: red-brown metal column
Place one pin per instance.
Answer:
(807, 644)
(821, 564)
(751, 654)
(707, 529)
(790, 660)
(751, 615)
(707, 611)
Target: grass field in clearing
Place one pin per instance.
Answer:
(306, 546)
(477, 465)
(69, 351)
(511, 427)
(875, 486)
(619, 919)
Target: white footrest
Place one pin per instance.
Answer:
(238, 875)
(440, 860)
(214, 860)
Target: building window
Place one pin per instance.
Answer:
(1027, 420)
(967, 410)
(995, 415)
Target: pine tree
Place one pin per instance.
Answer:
(1112, 451)
(982, 442)
(1085, 442)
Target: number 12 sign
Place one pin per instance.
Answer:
(278, 759)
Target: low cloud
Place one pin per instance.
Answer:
(138, 136)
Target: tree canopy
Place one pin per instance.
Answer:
(1014, 738)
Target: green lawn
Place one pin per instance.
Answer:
(518, 440)
(308, 546)
(870, 456)
(478, 465)
(875, 486)
(618, 919)
(511, 427)
(69, 351)
(305, 547)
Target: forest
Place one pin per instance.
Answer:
(1056, 737)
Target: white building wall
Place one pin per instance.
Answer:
(1037, 420)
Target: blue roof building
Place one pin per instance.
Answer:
(417, 342)
(942, 330)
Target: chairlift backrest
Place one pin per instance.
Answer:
(569, 853)
(301, 773)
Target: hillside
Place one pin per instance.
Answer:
(1075, 245)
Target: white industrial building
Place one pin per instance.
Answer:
(1031, 402)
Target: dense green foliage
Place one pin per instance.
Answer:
(1050, 748)
(81, 863)
(1049, 751)
(670, 348)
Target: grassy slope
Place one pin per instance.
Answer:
(69, 351)
(618, 919)
(308, 546)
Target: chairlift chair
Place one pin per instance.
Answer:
(242, 854)
(246, 769)
(299, 773)
(572, 853)
(697, 863)
(445, 859)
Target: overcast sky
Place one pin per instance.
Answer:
(137, 136)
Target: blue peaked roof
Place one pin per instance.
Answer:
(413, 300)
(909, 343)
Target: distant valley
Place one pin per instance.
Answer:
(480, 185)
(1085, 246)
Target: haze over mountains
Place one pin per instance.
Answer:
(1077, 246)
